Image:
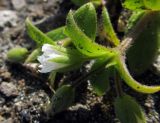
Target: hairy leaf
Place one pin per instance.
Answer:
(152, 4)
(128, 110)
(63, 98)
(38, 36)
(144, 49)
(86, 19)
(57, 34)
(142, 4)
(82, 42)
(100, 80)
(134, 18)
(133, 4)
(108, 28)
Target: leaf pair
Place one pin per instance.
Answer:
(40, 38)
(81, 28)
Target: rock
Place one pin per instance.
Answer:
(5, 75)
(19, 4)
(156, 65)
(8, 89)
(9, 120)
(36, 10)
(8, 18)
(149, 102)
(2, 100)
(1, 118)
(26, 116)
(78, 106)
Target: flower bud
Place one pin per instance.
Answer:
(53, 59)
(17, 54)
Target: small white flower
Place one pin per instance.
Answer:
(50, 53)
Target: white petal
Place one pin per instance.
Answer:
(49, 49)
(44, 57)
(41, 59)
(50, 66)
(49, 53)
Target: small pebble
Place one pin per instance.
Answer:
(9, 120)
(18, 4)
(25, 114)
(8, 89)
(5, 75)
(2, 100)
(8, 17)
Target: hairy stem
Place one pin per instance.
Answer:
(130, 81)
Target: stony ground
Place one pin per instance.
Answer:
(23, 93)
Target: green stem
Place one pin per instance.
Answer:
(118, 86)
(125, 75)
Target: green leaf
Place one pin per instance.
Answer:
(125, 75)
(134, 18)
(39, 37)
(133, 4)
(128, 110)
(33, 56)
(79, 2)
(152, 4)
(86, 19)
(108, 28)
(144, 49)
(82, 42)
(17, 54)
(62, 99)
(100, 80)
(142, 4)
(57, 34)
(96, 2)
